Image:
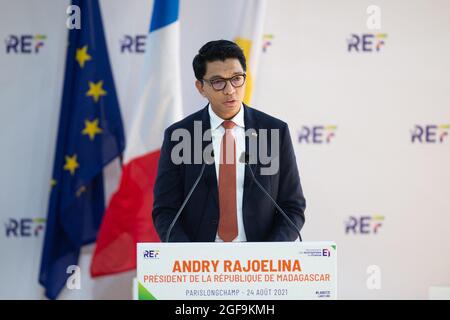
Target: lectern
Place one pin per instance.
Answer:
(237, 271)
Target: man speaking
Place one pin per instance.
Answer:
(227, 172)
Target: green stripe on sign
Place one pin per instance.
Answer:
(144, 294)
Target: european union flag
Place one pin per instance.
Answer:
(90, 135)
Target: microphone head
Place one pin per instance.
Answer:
(244, 158)
(208, 157)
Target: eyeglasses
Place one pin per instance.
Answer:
(219, 84)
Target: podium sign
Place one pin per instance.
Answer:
(237, 271)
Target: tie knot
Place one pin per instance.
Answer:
(228, 124)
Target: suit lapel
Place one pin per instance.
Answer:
(250, 123)
(210, 170)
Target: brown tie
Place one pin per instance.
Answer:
(228, 229)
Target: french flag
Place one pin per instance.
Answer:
(128, 217)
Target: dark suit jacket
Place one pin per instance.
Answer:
(200, 217)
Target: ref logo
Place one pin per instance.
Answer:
(366, 42)
(26, 44)
(364, 224)
(431, 133)
(316, 134)
(151, 254)
(24, 227)
(133, 43)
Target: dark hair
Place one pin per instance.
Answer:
(216, 50)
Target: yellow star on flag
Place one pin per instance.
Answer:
(91, 128)
(71, 164)
(96, 90)
(82, 56)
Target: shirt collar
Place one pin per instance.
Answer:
(216, 121)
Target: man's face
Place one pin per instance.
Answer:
(225, 103)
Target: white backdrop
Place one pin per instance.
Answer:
(366, 103)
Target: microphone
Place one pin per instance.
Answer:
(187, 197)
(244, 158)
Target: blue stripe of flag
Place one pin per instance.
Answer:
(164, 13)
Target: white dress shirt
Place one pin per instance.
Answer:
(217, 132)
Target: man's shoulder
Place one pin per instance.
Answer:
(188, 121)
(266, 120)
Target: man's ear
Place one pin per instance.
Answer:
(199, 86)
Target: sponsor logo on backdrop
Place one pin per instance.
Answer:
(323, 134)
(267, 41)
(133, 43)
(366, 42)
(24, 227)
(151, 254)
(25, 43)
(364, 224)
(430, 133)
